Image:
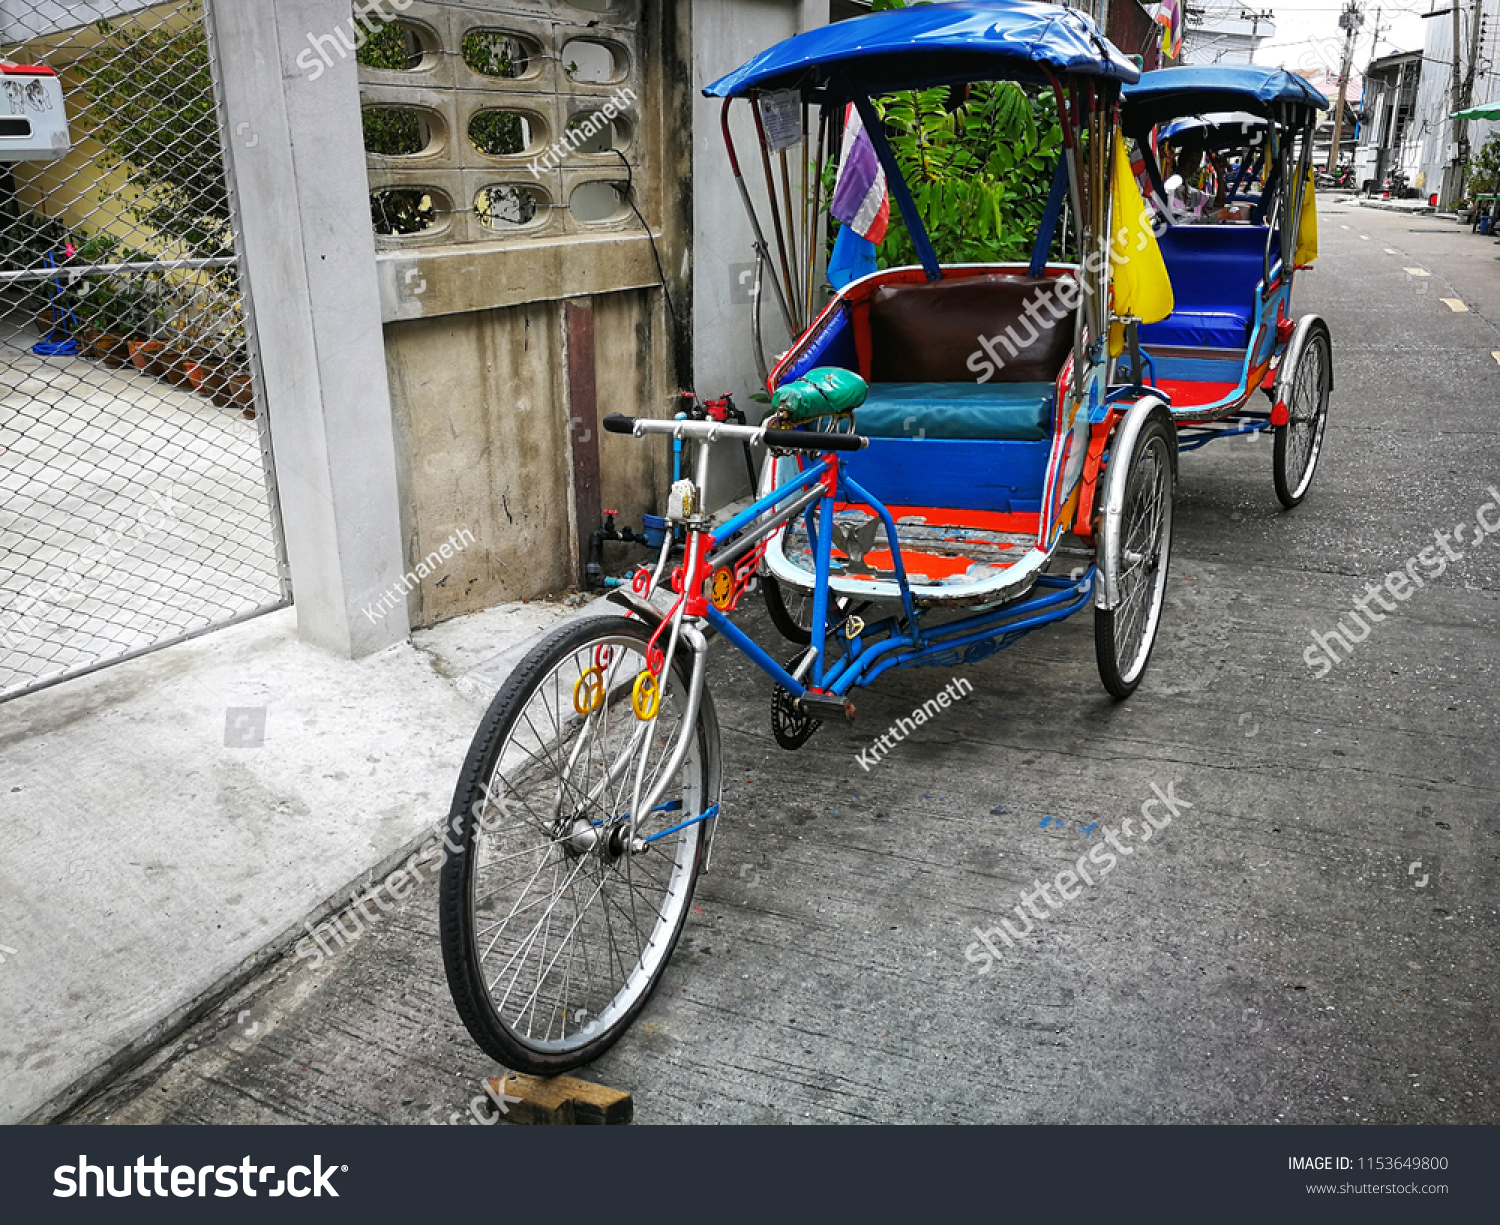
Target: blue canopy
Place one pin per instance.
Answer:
(1230, 120)
(934, 44)
(1196, 89)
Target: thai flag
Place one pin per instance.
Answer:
(1168, 15)
(860, 199)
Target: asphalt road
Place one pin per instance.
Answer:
(1310, 939)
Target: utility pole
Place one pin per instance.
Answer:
(1453, 181)
(1463, 141)
(1375, 39)
(1349, 21)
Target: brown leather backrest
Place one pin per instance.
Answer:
(928, 333)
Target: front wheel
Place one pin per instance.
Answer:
(1138, 544)
(1304, 386)
(556, 925)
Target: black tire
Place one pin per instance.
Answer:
(1305, 383)
(1125, 635)
(581, 1006)
(793, 618)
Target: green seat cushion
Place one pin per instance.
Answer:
(1006, 412)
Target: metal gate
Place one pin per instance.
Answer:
(137, 500)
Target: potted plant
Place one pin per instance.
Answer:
(114, 308)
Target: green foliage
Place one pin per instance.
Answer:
(122, 305)
(979, 173)
(1484, 169)
(494, 55)
(497, 133)
(390, 46)
(151, 104)
(393, 131)
(979, 168)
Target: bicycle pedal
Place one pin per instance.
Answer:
(827, 706)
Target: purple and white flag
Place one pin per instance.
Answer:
(860, 199)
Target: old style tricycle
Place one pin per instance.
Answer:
(931, 517)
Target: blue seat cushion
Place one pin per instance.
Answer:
(1005, 412)
(1199, 330)
(1214, 271)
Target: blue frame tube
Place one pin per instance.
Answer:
(1192, 444)
(862, 495)
(1029, 614)
(1030, 623)
(750, 514)
(753, 651)
(824, 559)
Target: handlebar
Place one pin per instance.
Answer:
(714, 431)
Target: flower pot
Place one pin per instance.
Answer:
(236, 391)
(172, 363)
(146, 356)
(110, 349)
(202, 374)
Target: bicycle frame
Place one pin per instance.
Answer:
(864, 652)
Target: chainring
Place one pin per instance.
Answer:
(792, 727)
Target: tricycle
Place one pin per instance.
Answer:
(1231, 331)
(930, 516)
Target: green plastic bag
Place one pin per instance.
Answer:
(823, 392)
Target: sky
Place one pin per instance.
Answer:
(1308, 34)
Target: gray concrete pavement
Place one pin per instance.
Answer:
(166, 825)
(1311, 938)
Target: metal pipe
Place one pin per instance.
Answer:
(760, 239)
(817, 203)
(154, 265)
(765, 161)
(742, 546)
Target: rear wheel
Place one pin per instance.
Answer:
(790, 611)
(1305, 383)
(1139, 548)
(555, 930)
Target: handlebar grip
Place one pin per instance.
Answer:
(811, 440)
(785, 440)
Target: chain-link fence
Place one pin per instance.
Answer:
(137, 506)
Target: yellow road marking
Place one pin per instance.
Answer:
(1454, 304)
(1496, 356)
(1417, 272)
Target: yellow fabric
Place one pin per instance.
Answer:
(1141, 285)
(1307, 224)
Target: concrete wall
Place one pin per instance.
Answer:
(492, 431)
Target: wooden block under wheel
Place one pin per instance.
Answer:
(560, 1101)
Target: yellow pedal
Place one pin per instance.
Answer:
(645, 699)
(588, 693)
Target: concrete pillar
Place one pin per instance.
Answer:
(295, 147)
